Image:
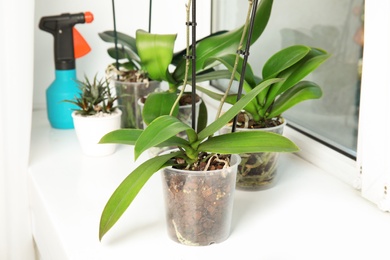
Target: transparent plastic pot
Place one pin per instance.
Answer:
(128, 95)
(257, 171)
(199, 204)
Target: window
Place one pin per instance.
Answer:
(357, 149)
(334, 26)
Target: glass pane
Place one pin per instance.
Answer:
(335, 26)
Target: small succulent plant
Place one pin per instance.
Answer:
(95, 97)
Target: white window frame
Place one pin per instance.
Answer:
(373, 152)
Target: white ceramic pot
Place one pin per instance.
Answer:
(90, 129)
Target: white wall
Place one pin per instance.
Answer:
(16, 63)
(169, 17)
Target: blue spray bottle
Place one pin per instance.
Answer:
(68, 45)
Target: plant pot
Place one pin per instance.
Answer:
(128, 94)
(90, 129)
(185, 111)
(257, 171)
(199, 204)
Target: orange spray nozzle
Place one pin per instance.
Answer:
(88, 16)
(68, 42)
(80, 46)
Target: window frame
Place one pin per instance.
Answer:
(373, 152)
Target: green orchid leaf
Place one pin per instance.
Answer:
(229, 61)
(248, 142)
(128, 65)
(178, 56)
(304, 90)
(160, 130)
(248, 84)
(212, 94)
(280, 65)
(123, 39)
(158, 104)
(226, 43)
(131, 62)
(174, 141)
(269, 95)
(296, 73)
(252, 107)
(305, 69)
(125, 193)
(212, 75)
(123, 53)
(284, 59)
(121, 136)
(156, 53)
(113, 53)
(130, 136)
(202, 117)
(234, 110)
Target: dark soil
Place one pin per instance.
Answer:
(244, 117)
(204, 160)
(186, 99)
(130, 75)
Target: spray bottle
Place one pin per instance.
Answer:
(68, 45)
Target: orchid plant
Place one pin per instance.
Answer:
(292, 64)
(154, 54)
(163, 132)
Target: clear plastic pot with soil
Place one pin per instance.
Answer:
(185, 108)
(128, 95)
(257, 171)
(199, 203)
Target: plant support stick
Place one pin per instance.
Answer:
(115, 37)
(193, 63)
(246, 55)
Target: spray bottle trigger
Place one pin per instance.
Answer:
(81, 47)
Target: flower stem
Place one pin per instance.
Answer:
(185, 81)
(219, 111)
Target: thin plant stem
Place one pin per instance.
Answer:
(185, 81)
(222, 101)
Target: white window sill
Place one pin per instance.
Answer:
(309, 214)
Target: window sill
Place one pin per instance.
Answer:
(309, 214)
